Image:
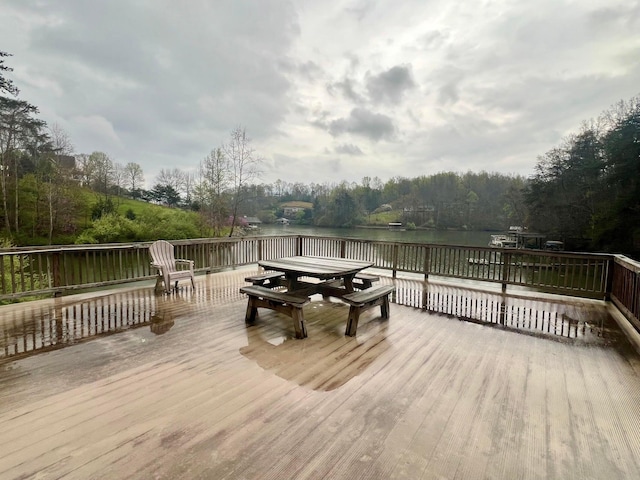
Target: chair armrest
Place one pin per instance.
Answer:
(182, 261)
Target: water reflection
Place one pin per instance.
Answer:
(41, 326)
(558, 317)
(306, 362)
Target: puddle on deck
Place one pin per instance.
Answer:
(41, 326)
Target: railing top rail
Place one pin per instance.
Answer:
(134, 245)
(627, 262)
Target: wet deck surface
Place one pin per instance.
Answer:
(132, 385)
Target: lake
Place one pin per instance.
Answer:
(443, 237)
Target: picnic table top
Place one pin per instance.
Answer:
(319, 267)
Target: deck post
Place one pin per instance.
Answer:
(299, 245)
(55, 272)
(503, 309)
(395, 261)
(506, 260)
(427, 263)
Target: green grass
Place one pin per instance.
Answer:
(123, 205)
(384, 218)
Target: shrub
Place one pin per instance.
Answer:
(110, 228)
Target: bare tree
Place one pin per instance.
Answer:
(245, 167)
(118, 177)
(174, 178)
(101, 168)
(57, 180)
(210, 192)
(133, 178)
(189, 183)
(83, 167)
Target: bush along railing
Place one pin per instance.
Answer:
(56, 270)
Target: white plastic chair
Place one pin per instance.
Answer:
(170, 269)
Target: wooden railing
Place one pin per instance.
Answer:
(57, 270)
(625, 288)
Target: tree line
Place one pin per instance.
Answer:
(588, 188)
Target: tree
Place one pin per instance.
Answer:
(618, 227)
(341, 209)
(58, 179)
(165, 195)
(133, 178)
(118, 177)
(100, 172)
(210, 193)
(174, 178)
(245, 167)
(84, 169)
(20, 133)
(6, 85)
(588, 188)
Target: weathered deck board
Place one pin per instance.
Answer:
(422, 395)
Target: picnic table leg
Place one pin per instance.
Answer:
(384, 307)
(292, 282)
(348, 283)
(252, 312)
(298, 323)
(352, 322)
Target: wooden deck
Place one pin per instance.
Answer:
(126, 384)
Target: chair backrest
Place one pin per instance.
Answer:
(162, 254)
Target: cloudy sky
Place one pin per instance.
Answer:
(327, 90)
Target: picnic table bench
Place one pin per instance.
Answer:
(365, 299)
(267, 279)
(263, 297)
(365, 279)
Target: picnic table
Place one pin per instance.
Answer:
(325, 269)
(336, 277)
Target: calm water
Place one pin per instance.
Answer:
(469, 238)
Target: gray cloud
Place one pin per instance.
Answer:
(164, 78)
(391, 85)
(362, 122)
(349, 149)
(347, 87)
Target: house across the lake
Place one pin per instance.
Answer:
(291, 209)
